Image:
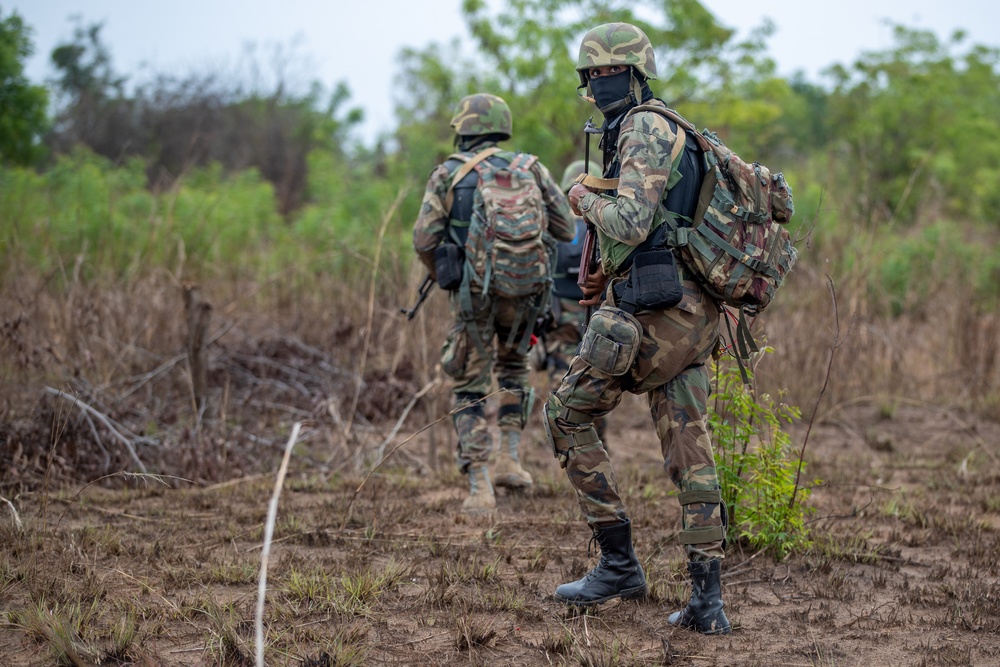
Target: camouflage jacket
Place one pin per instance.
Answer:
(623, 222)
(432, 222)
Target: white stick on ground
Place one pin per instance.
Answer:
(272, 513)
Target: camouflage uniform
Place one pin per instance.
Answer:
(676, 342)
(486, 342)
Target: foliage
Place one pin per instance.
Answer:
(23, 118)
(946, 261)
(757, 465)
(922, 130)
(87, 212)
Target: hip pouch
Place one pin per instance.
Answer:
(655, 283)
(611, 342)
(448, 263)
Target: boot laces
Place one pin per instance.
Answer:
(597, 538)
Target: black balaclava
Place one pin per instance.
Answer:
(615, 98)
(611, 93)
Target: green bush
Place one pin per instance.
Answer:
(757, 466)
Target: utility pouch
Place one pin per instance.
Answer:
(611, 342)
(655, 283)
(455, 352)
(448, 263)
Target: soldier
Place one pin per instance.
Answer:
(485, 232)
(559, 344)
(662, 326)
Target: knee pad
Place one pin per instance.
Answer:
(579, 435)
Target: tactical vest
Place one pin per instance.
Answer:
(680, 202)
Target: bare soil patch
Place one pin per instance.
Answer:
(903, 570)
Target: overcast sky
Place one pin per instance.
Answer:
(358, 41)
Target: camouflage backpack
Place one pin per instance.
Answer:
(737, 245)
(507, 247)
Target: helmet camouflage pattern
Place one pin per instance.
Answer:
(482, 113)
(616, 44)
(575, 169)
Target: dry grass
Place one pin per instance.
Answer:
(370, 560)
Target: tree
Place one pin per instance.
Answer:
(23, 119)
(179, 123)
(527, 52)
(920, 124)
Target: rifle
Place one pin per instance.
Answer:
(425, 289)
(588, 258)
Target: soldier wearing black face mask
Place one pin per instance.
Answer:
(658, 347)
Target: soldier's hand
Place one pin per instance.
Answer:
(574, 194)
(593, 289)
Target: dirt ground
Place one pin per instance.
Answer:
(903, 568)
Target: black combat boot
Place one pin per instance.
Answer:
(704, 611)
(619, 573)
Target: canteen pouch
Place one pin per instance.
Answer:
(611, 342)
(655, 283)
(449, 259)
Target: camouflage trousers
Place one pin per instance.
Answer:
(670, 370)
(561, 344)
(477, 349)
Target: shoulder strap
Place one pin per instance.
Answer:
(461, 172)
(681, 121)
(523, 161)
(612, 183)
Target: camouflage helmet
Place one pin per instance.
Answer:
(482, 113)
(616, 44)
(575, 169)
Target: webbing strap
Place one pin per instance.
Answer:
(701, 535)
(706, 231)
(743, 342)
(461, 172)
(588, 437)
(692, 497)
(575, 416)
(595, 183)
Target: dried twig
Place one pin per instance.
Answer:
(120, 473)
(837, 342)
(406, 411)
(371, 308)
(272, 513)
(350, 505)
(75, 400)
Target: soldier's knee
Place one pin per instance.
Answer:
(567, 429)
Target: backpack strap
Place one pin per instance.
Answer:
(461, 172)
(523, 161)
(596, 183)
